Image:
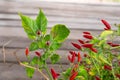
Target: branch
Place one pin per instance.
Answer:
(3, 50)
(30, 66)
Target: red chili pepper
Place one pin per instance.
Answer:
(87, 41)
(107, 25)
(86, 32)
(71, 59)
(106, 29)
(74, 68)
(97, 78)
(76, 46)
(107, 67)
(73, 52)
(54, 74)
(26, 51)
(38, 54)
(117, 75)
(109, 43)
(72, 77)
(81, 41)
(79, 57)
(88, 36)
(113, 45)
(88, 45)
(94, 50)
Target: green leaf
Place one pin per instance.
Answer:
(41, 43)
(30, 72)
(95, 40)
(103, 59)
(41, 21)
(102, 42)
(55, 46)
(82, 72)
(29, 26)
(54, 58)
(45, 56)
(37, 61)
(105, 33)
(33, 46)
(47, 37)
(41, 62)
(66, 74)
(34, 61)
(59, 32)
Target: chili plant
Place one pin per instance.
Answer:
(42, 44)
(101, 56)
(98, 57)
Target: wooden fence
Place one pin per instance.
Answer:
(77, 16)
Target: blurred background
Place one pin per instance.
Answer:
(74, 1)
(84, 1)
(89, 0)
(77, 15)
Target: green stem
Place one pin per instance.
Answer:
(61, 67)
(48, 72)
(113, 72)
(95, 64)
(115, 48)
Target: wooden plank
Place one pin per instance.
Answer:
(21, 54)
(90, 11)
(11, 18)
(11, 71)
(10, 58)
(39, 2)
(58, 16)
(81, 24)
(19, 32)
(77, 1)
(60, 7)
(20, 40)
(15, 17)
(14, 6)
(72, 25)
(74, 15)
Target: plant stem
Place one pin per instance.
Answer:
(94, 64)
(113, 72)
(3, 50)
(48, 72)
(35, 69)
(61, 67)
(30, 66)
